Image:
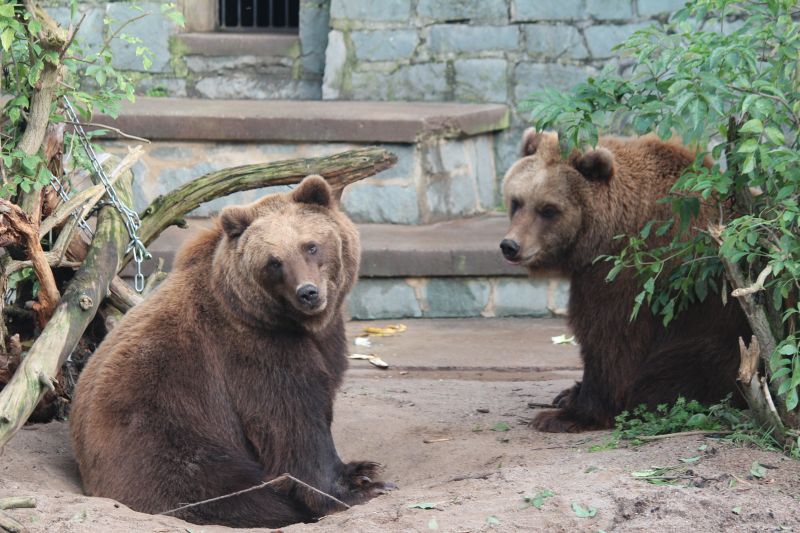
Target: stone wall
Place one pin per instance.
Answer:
(433, 180)
(451, 297)
(476, 50)
(261, 70)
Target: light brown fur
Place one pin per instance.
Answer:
(564, 214)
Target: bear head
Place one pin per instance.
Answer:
(547, 197)
(288, 259)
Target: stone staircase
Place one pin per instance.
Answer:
(429, 228)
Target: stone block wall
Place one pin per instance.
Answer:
(496, 51)
(177, 70)
(433, 180)
(454, 297)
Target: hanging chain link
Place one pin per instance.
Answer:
(129, 216)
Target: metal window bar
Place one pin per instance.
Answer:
(277, 16)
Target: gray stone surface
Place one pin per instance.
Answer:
(257, 87)
(169, 85)
(609, 9)
(534, 10)
(377, 298)
(481, 80)
(602, 38)
(450, 297)
(460, 38)
(335, 61)
(91, 33)
(531, 77)
(385, 45)
(306, 121)
(313, 32)
(425, 82)
(648, 8)
(475, 10)
(371, 10)
(520, 297)
(154, 31)
(554, 41)
(393, 204)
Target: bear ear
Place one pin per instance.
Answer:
(530, 142)
(535, 141)
(313, 190)
(595, 165)
(235, 219)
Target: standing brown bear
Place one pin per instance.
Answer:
(564, 214)
(225, 377)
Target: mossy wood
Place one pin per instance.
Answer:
(73, 314)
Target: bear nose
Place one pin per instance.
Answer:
(308, 294)
(510, 249)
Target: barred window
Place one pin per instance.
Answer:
(259, 15)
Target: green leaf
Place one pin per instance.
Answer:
(757, 471)
(775, 135)
(690, 459)
(791, 399)
(493, 521)
(583, 512)
(7, 10)
(423, 505)
(788, 349)
(736, 510)
(752, 126)
(538, 499)
(501, 426)
(6, 38)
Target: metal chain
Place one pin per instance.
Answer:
(59, 188)
(129, 216)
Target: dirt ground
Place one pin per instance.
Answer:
(435, 419)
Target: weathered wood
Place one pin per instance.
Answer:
(51, 37)
(11, 525)
(77, 308)
(339, 170)
(755, 390)
(17, 502)
(17, 226)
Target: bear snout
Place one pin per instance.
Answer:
(308, 295)
(510, 249)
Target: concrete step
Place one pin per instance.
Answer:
(448, 269)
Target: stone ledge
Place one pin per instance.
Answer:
(304, 121)
(220, 44)
(459, 248)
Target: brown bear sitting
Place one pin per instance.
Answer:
(225, 377)
(564, 214)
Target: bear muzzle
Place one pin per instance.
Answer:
(309, 298)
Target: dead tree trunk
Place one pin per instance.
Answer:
(72, 315)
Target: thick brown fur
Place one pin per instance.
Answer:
(564, 214)
(222, 379)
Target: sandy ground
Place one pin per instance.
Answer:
(452, 382)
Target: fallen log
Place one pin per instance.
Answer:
(339, 170)
(73, 314)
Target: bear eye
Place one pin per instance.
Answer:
(548, 211)
(515, 205)
(274, 264)
(311, 249)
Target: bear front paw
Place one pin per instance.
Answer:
(556, 422)
(359, 477)
(567, 396)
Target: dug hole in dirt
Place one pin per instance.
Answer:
(448, 419)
